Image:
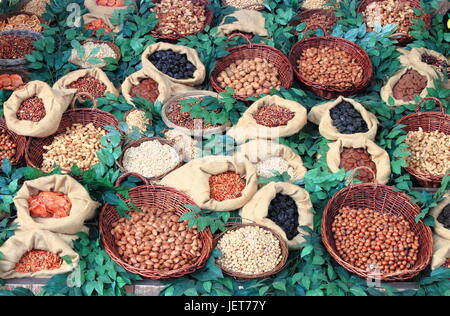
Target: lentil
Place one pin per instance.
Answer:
(444, 217)
(267, 167)
(390, 12)
(179, 17)
(38, 260)
(173, 64)
(10, 82)
(151, 159)
(7, 146)
(21, 22)
(249, 250)
(347, 119)
(31, 109)
(49, 204)
(284, 212)
(15, 46)
(77, 145)
(250, 76)
(430, 152)
(365, 237)
(226, 186)
(352, 158)
(104, 51)
(273, 116)
(89, 84)
(330, 66)
(410, 84)
(139, 119)
(147, 89)
(154, 239)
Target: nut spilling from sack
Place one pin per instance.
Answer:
(374, 241)
(249, 250)
(250, 76)
(284, 212)
(7, 146)
(179, 17)
(155, 239)
(151, 159)
(111, 3)
(89, 84)
(173, 64)
(273, 116)
(15, 46)
(10, 81)
(430, 152)
(31, 109)
(21, 22)
(226, 186)
(147, 89)
(347, 119)
(267, 167)
(98, 24)
(352, 158)
(77, 145)
(330, 66)
(410, 84)
(38, 260)
(49, 204)
(390, 12)
(444, 217)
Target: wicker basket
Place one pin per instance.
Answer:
(302, 17)
(251, 51)
(173, 37)
(383, 199)
(429, 122)
(137, 143)
(191, 94)
(154, 197)
(20, 141)
(241, 276)
(401, 37)
(18, 61)
(324, 91)
(34, 149)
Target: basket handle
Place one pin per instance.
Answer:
(240, 35)
(310, 26)
(78, 95)
(123, 177)
(352, 175)
(439, 102)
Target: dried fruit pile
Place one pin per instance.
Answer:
(273, 115)
(284, 212)
(10, 82)
(49, 204)
(410, 84)
(38, 260)
(444, 217)
(226, 186)
(98, 24)
(147, 89)
(111, 3)
(21, 22)
(7, 146)
(347, 119)
(173, 64)
(352, 158)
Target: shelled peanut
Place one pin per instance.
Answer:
(250, 77)
(390, 12)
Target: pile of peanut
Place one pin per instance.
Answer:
(249, 77)
(330, 66)
(430, 152)
(390, 12)
(179, 17)
(77, 145)
(154, 239)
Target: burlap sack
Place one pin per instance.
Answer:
(192, 56)
(97, 73)
(439, 229)
(83, 207)
(165, 87)
(92, 6)
(386, 91)
(247, 128)
(379, 156)
(193, 179)
(259, 150)
(56, 101)
(89, 17)
(248, 21)
(26, 240)
(441, 252)
(257, 209)
(320, 115)
(413, 58)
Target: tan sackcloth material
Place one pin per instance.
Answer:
(439, 229)
(379, 156)
(26, 240)
(259, 150)
(257, 209)
(441, 252)
(97, 73)
(89, 17)
(248, 21)
(192, 56)
(56, 101)
(247, 128)
(193, 179)
(320, 115)
(387, 92)
(83, 207)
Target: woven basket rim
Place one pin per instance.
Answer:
(241, 276)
